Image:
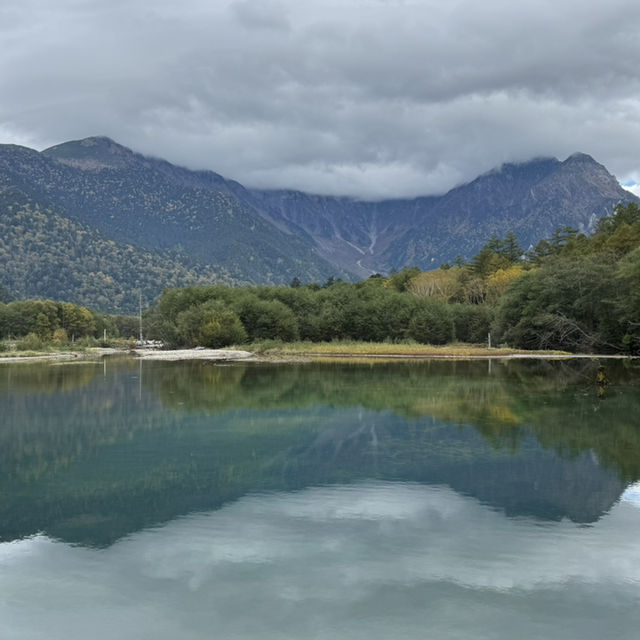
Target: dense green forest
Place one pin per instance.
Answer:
(571, 292)
(581, 293)
(36, 323)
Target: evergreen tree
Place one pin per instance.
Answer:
(512, 249)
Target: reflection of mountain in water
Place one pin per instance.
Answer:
(116, 453)
(531, 481)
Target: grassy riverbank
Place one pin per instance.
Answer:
(26, 351)
(276, 350)
(350, 348)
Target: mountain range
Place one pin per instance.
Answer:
(92, 222)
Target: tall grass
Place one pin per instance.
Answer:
(356, 348)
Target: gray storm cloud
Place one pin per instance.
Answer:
(359, 97)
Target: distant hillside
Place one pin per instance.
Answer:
(92, 207)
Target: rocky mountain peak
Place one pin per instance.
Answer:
(579, 157)
(97, 152)
(581, 172)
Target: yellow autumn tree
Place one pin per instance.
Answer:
(499, 281)
(439, 283)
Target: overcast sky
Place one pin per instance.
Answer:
(371, 98)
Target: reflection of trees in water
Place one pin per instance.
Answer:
(57, 414)
(577, 417)
(46, 379)
(557, 401)
(110, 453)
(60, 413)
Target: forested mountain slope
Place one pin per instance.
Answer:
(45, 255)
(157, 207)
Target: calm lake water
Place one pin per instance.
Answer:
(441, 500)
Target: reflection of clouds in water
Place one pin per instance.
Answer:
(632, 494)
(365, 561)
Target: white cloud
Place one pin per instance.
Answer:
(632, 187)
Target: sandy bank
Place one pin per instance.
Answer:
(63, 356)
(228, 355)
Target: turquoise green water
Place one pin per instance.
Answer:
(402, 500)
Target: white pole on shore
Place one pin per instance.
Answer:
(140, 315)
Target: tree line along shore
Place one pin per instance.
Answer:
(571, 292)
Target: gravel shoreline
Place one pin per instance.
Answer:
(229, 355)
